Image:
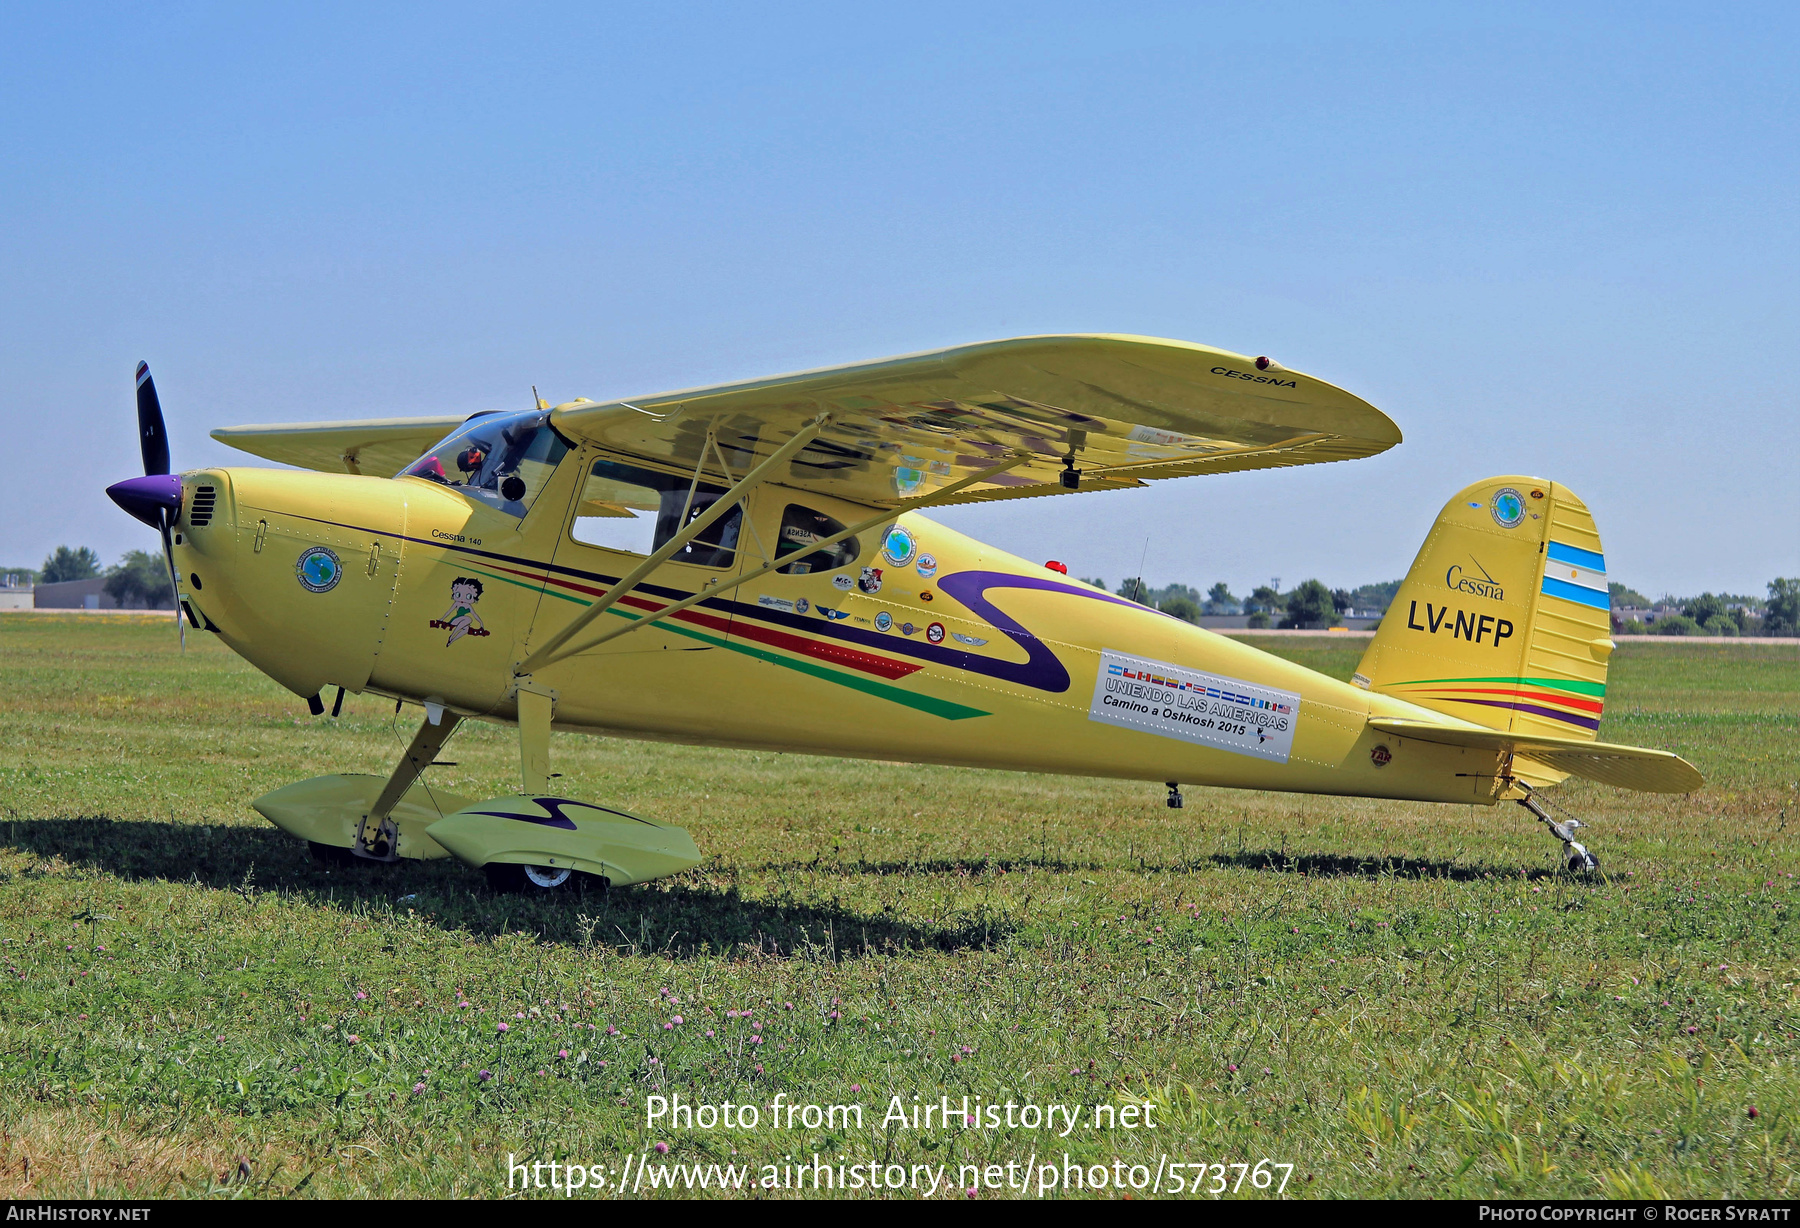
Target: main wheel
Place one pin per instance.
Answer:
(531, 880)
(1583, 863)
(330, 854)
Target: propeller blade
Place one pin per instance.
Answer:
(168, 521)
(153, 437)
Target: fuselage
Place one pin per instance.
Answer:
(920, 645)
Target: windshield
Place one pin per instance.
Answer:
(502, 460)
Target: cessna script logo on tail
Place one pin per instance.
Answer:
(1483, 585)
(1466, 627)
(1254, 378)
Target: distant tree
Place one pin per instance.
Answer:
(1135, 589)
(1184, 608)
(1781, 616)
(1375, 596)
(1622, 596)
(1704, 608)
(1720, 624)
(1263, 600)
(1341, 600)
(1259, 619)
(1097, 582)
(1219, 599)
(1676, 624)
(1309, 605)
(141, 579)
(66, 564)
(1632, 626)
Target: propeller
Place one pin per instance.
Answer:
(154, 498)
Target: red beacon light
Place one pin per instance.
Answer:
(1061, 568)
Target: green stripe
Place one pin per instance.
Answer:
(868, 686)
(1596, 689)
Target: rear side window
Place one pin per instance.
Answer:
(624, 507)
(802, 527)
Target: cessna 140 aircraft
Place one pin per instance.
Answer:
(744, 565)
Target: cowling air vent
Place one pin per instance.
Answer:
(200, 512)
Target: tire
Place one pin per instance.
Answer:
(532, 880)
(330, 854)
(1588, 864)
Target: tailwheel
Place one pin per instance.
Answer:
(1580, 861)
(532, 880)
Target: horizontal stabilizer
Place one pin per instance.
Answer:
(1624, 767)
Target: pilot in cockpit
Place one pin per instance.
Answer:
(469, 461)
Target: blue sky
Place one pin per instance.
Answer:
(1552, 240)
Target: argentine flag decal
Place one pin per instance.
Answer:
(1576, 575)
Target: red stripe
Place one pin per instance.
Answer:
(1583, 705)
(868, 662)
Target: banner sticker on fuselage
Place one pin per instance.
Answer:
(1207, 709)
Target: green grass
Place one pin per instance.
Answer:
(1398, 999)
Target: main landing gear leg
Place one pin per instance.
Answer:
(378, 835)
(1580, 860)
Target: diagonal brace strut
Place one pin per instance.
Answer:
(936, 496)
(547, 652)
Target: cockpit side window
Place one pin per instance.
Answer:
(624, 507)
(800, 527)
(501, 460)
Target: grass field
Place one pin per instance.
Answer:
(1397, 999)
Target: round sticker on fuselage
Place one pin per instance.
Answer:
(1508, 507)
(318, 570)
(898, 547)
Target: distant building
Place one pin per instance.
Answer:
(75, 595)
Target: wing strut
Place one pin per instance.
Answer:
(713, 590)
(547, 653)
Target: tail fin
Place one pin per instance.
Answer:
(1504, 619)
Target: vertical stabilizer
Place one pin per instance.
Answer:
(1504, 619)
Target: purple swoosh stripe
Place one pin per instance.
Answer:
(1583, 721)
(1041, 670)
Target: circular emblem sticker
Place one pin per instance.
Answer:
(898, 547)
(935, 633)
(318, 570)
(1508, 507)
(883, 621)
(802, 606)
(927, 565)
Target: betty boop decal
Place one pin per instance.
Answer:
(461, 619)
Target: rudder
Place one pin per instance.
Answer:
(1504, 619)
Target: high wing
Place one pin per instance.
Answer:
(1123, 410)
(1624, 767)
(381, 447)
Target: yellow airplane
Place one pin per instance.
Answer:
(744, 565)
